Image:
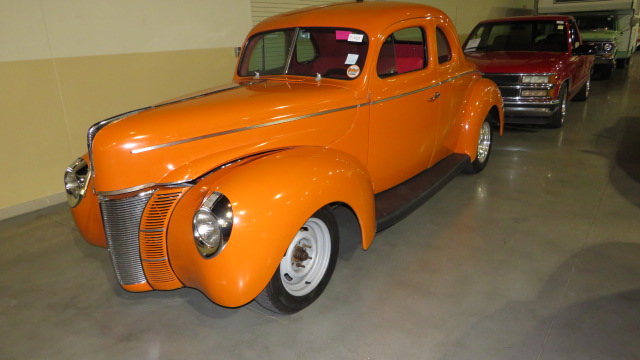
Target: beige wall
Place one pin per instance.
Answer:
(467, 13)
(66, 64)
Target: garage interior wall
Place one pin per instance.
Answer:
(67, 64)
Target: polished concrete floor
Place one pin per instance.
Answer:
(538, 257)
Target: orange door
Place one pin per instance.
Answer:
(404, 106)
(454, 76)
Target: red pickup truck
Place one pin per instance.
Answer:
(538, 62)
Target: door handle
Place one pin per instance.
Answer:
(435, 96)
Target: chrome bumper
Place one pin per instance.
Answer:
(531, 108)
(604, 60)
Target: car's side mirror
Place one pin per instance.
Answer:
(237, 50)
(585, 50)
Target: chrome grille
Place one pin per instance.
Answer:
(509, 92)
(503, 79)
(121, 219)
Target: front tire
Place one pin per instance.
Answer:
(485, 141)
(306, 268)
(557, 119)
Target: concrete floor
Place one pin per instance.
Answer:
(535, 258)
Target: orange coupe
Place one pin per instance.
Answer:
(357, 111)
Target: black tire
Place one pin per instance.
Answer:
(485, 142)
(621, 63)
(299, 281)
(583, 94)
(557, 119)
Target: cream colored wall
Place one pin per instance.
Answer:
(66, 64)
(467, 13)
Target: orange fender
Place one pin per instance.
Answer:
(87, 216)
(272, 196)
(483, 97)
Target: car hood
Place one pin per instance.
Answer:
(598, 35)
(182, 139)
(509, 62)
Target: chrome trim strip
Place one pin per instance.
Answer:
(277, 122)
(519, 74)
(152, 230)
(529, 102)
(529, 86)
(155, 147)
(154, 260)
(425, 88)
(144, 186)
(95, 128)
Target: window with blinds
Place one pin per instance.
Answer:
(262, 9)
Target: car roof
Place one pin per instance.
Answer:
(530, 18)
(370, 17)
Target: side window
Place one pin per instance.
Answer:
(401, 52)
(444, 49)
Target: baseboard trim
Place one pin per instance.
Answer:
(32, 205)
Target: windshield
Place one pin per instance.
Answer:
(548, 35)
(336, 53)
(602, 22)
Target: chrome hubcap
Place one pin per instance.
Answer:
(307, 258)
(484, 142)
(586, 92)
(563, 107)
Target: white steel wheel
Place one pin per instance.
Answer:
(307, 258)
(306, 267)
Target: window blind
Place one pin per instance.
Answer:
(262, 9)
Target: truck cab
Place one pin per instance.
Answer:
(611, 26)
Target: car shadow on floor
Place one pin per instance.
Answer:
(620, 144)
(587, 309)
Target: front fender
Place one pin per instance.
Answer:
(87, 216)
(483, 98)
(272, 196)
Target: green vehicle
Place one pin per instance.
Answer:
(610, 25)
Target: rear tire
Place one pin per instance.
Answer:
(583, 94)
(306, 268)
(485, 141)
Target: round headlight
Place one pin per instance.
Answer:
(76, 179)
(212, 225)
(207, 232)
(607, 47)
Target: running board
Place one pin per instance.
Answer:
(395, 204)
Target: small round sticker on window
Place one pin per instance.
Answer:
(353, 71)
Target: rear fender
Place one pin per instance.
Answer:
(483, 98)
(272, 197)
